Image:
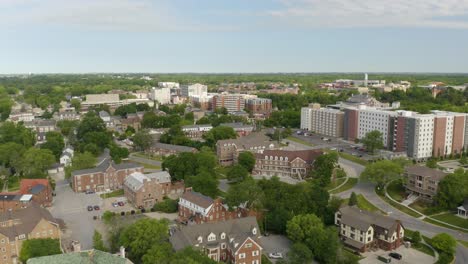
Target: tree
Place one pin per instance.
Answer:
(373, 141)
(76, 104)
(118, 153)
(67, 126)
(463, 160)
(452, 190)
(237, 173)
(98, 243)
(431, 163)
(381, 172)
(80, 161)
(91, 122)
(167, 206)
(18, 133)
(247, 160)
(246, 192)
(444, 243)
(142, 140)
(305, 228)
(219, 133)
(10, 154)
(300, 254)
(54, 143)
(38, 247)
(35, 162)
(139, 237)
(204, 182)
(416, 238)
(323, 168)
(353, 199)
(107, 217)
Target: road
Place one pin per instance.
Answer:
(427, 229)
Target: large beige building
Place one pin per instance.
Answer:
(324, 121)
(18, 226)
(422, 181)
(228, 150)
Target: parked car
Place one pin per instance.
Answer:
(275, 255)
(395, 255)
(384, 259)
(89, 191)
(90, 208)
(333, 149)
(96, 207)
(115, 204)
(121, 203)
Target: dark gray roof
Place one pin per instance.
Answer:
(197, 198)
(425, 172)
(37, 189)
(237, 229)
(362, 219)
(102, 167)
(10, 197)
(251, 141)
(177, 148)
(85, 257)
(237, 125)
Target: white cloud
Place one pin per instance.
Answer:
(373, 13)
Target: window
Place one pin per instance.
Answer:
(22, 236)
(255, 261)
(248, 245)
(200, 239)
(223, 235)
(242, 255)
(212, 237)
(255, 253)
(223, 245)
(254, 231)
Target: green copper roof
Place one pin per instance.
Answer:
(86, 257)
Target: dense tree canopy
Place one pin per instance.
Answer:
(54, 143)
(381, 172)
(38, 247)
(247, 160)
(452, 190)
(142, 140)
(373, 141)
(219, 133)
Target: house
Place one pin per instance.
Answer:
(42, 125)
(132, 120)
(363, 230)
(105, 176)
(67, 156)
(92, 256)
(422, 181)
(228, 150)
(462, 210)
(14, 201)
(145, 190)
(196, 131)
(40, 189)
(162, 149)
(285, 163)
(27, 223)
(231, 241)
(198, 208)
(240, 128)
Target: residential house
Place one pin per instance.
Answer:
(196, 131)
(67, 156)
(105, 176)
(198, 208)
(422, 181)
(285, 163)
(240, 128)
(41, 127)
(40, 189)
(228, 150)
(92, 256)
(132, 120)
(232, 241)
(20, 225)
(145, 190)
(162, 149)
(363, 230)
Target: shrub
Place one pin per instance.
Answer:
(166, 206)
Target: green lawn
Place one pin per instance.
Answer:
(352, 158)
(13, 183)
(425, 208)
(115, 193)
(348, 185)
(145, 156)
(364, 204)
(396, 190)
(464, 243)
(420, 247)
(300, 141)
(335, 183)
(452, 219)
(149, 166)
(442, 225)
(399, 206)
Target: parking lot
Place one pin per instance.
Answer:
(409, 256)
(72, 208)
(107, 205)
(275, 243)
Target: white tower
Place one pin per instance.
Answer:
(366, 78)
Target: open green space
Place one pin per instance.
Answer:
(463, 242)
(398, 206)
(396, 190)
(300, 141)
(145, 156)
(364, 204)
(149, 166)
(353, 158)
(452, 219)
(337, 182)
(115, 193)
(348, 185)
(442, 225)
(425, 208)
(420, 246)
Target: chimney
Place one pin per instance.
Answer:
(122, 251)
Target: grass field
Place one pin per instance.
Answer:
(442, 225)
(464, 243)
(348, 185)
(364, 204)
(142, 155)
(115, 193)
(335, 183)
(399, 206)
(300, 141)
(149, 166)
(452, 219)
(352, 158)
(396, 190)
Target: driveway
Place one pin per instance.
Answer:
(72, 208)
(275, 243)
(409, 256)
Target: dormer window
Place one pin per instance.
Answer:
(223, 235)
(200, 239)
(254, 231)
(211, 237)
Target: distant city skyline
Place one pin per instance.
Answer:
(208, 36)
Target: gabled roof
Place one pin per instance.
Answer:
(85, 257)
(177, 148)
(239, 230)
(102, 167)
(362, 219)
(27, 184)
(251, 141)
(197, 198)
(136, 180)
(308, 156)
(426, 172)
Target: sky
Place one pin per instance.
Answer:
(160, 36)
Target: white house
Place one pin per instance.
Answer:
(67, 156)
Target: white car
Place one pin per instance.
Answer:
(275, 255)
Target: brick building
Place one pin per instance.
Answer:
(422, 181)
(232, 241)
(240, 128)
(259, 107)
(40, 190)
(363, 230)
(162, 149)
(228, 150)
(198, 208)
(105, 176)
(14, 201)
(284, 163)
(145, 190)
(20, 225)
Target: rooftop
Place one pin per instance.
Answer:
(362, 219)
(197, 198)
(425, 172)
(85, 257)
